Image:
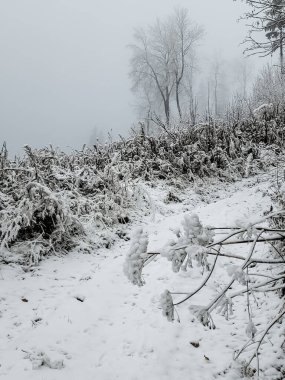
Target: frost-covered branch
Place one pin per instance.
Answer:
(195, 242)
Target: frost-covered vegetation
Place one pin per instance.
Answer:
(254, 275)
(53, 201)
(260, 272)
(201, 152)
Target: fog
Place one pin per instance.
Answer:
(64, 63)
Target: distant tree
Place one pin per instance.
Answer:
(269, 87)
(217, 86)
(216, 77)
(186, 36)
(160, 57)
(241, 71)
(192, 105)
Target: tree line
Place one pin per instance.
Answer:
(164, 65)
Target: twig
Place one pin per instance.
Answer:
(203, 283)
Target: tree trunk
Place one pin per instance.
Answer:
(215, 94)
(178, 101)
(281, 52)
(208, 101)
(167, 111)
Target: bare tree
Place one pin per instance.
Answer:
(160, 57)
(192, 100)
(241, 73)
(217, 84)
(186, 36)
(151, 63)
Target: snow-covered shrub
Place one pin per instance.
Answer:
(166, 303)
(101, 187)
(264, 111)
(47, 197)
(136, 258)
(41, 218)
(189, 244)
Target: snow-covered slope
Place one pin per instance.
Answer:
(78, 317)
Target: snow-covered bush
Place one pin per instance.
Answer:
(51, 201)
(166, 303)
(189, 245)
(41, 218)
(264, 111)
(137, 257)
(100, 187)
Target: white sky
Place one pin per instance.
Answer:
(64, 63)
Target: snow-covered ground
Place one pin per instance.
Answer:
(78, 317)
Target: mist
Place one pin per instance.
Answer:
(65, 63)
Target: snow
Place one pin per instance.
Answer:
(78, 316)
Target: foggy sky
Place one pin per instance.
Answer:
(64, 63)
